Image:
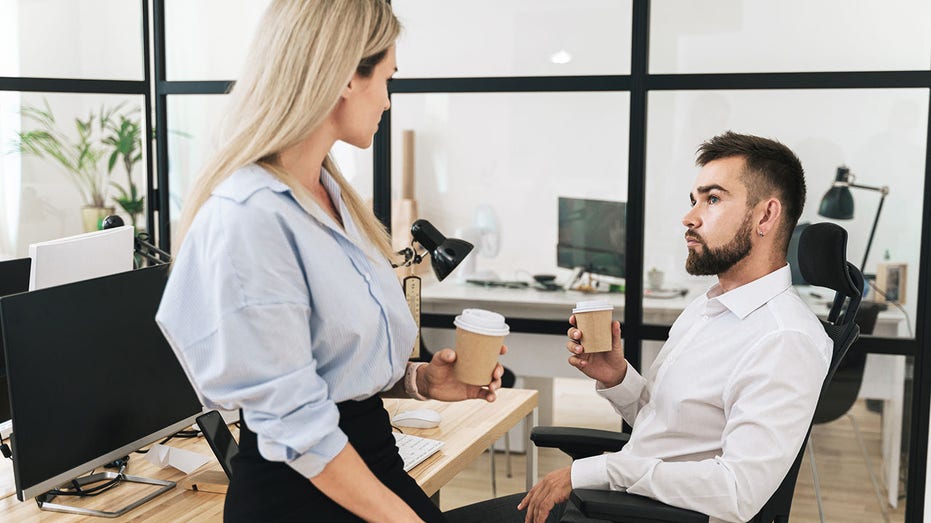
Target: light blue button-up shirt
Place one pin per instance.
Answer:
(274, 308)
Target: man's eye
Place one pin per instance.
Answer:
(713, 199)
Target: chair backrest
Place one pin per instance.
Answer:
(823, 262)
(844, 388)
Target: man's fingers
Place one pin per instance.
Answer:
(616, 335)
(526, 501)
(574, 347)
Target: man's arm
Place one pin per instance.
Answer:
(619, 383)
(769, 403)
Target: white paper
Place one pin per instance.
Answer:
(183, 460)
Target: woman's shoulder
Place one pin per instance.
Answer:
(246, 182)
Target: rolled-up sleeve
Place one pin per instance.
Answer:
(237, 313)
(266, 368)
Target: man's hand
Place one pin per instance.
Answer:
(552, 489)
(609, 368)
(436, 380)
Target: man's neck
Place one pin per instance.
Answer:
(747, 270)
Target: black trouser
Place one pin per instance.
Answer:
(263, 490)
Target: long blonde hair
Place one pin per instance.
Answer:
(303, 55)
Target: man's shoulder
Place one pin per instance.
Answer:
(790, 312)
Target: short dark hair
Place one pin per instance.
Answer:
(771, 169)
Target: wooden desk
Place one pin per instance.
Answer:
(468, 428)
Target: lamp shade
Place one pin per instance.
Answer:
(837, 203)
(445, 253)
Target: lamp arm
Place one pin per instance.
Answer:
(411, 257)
(883, 189)
(869, 243)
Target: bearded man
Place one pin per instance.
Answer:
(720, 416)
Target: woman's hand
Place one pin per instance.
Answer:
(436, 380)
(607, 367)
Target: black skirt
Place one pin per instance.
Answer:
(263, 490)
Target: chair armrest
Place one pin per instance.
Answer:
(621, 507)
(577, 442)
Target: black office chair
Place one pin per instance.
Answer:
(840, 396)
(822, 260)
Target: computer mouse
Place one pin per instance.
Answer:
(418, 419)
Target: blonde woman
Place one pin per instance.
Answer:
(281, 301)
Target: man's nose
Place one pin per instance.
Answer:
(691, 219)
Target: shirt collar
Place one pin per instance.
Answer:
(245, 182)
(751, 296)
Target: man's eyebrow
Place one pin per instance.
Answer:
(703, 189)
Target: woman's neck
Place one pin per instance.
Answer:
(304, 160)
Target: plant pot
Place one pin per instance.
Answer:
(93, 216)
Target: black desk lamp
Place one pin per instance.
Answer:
(445, 253)
(837, 203)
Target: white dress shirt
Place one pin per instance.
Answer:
(274, 308)
(720, 416)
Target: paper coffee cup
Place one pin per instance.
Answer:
(479, 336)
(593, 318)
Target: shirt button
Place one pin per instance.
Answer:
(367, 277)
(704, 317)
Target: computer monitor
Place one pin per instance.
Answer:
(592, 235)
(14, 279)
(81, 257)
(91, 376)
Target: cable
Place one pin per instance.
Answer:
(79, 491)
(908, 321)
(179, 434)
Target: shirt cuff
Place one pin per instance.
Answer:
(591, 473)
(627, 391)
(313, 462)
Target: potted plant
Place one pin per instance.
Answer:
(125, 140)
(80, 157)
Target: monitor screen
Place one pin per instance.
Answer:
(592, 234)
(14, 279)
(91, 376)
(81, 257)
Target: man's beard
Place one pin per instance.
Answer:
(710, 262)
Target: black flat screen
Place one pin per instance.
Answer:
(89, 373)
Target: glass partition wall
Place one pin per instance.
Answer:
(515, 104)
(67, 106)
(850, 87)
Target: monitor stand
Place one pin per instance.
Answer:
(106, 476)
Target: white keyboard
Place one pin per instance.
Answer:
(414, 449)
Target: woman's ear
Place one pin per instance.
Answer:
(351, 86)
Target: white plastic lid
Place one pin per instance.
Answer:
(481, 321)
(592, 306)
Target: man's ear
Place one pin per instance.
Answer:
(771, 214)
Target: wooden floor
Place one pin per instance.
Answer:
(846, 491)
